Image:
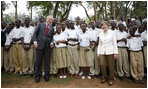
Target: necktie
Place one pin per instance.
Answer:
(47, 29)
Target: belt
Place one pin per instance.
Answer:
(16, 43)
(122, 47)
(135, 51)
(26, 43)
(72, 44)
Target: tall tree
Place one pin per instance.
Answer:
(15, 5)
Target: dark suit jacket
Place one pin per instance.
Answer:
(41, 37)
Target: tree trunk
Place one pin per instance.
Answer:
(31, 14)
(86, 12)
(111, 6)
(1, 15)
(95, 11)
(56, 9)
(16, 10)
(105, 12)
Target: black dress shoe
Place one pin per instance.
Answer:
(37, 79)
(46, 79)
(121, 78)
(55, 75)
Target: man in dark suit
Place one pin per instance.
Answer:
(43, 37)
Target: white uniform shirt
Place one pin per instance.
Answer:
(17, 33)
(94, 34)
(144, 36)
(73, 34)
(27, 34)
(84, 39)
(107, 43)
(8, 38)
(119, 36)
(59, 37)
(134, 43)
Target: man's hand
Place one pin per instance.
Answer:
(98, 56)
(115, 56)
(87, 49)
(78, 47)
(57, 42)
(14, 39)
(35, 45)
(51, 45)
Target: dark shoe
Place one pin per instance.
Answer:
(121, 78)
(97, 76)
(46, 79)
(37, 79)
(103, 80)
(31, 75)
(55, 75)
(141, 81)
(136, 81)
(110, 83)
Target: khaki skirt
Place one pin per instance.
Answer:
(85, 57)
(61, 59)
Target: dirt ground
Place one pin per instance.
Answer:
(16, 81)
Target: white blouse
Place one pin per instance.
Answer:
(107, 43)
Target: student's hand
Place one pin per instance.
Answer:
(123, 39)
(14, 39)
(35, 45)
(78, 48)
(137, 35)
(128, 37)
(57, 42)
(115, 56)
(87, 49)
(98, 56)
(51, 45)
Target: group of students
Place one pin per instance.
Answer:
(76, 49)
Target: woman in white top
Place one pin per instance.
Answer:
(107, 52)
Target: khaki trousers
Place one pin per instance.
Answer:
(104, 61)
(2, 56)
(145, 56)
(73, 59)
(28, 61)
(122, 63)
(136, 65)
(53, 67)
(8, 60)
(95, 69)
(17, 57)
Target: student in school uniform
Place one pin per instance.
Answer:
(3, 39)
(28, 61)
(17, 47)
(144, 39)
(94, 35)
(60, 41)
(122, 62)
(53, 67)
(107, 53)
(136, 57)
(8, 60)
(72, 53)
(84, 47)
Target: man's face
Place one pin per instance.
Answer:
(27, 21)
(11, 25)
(71, 25)
(49, 20)
(58, 28)
(83, 27)
(3, 25)
(98, 24)
(63, 25)
(17, 23)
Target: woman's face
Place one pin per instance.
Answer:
(104, 26)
